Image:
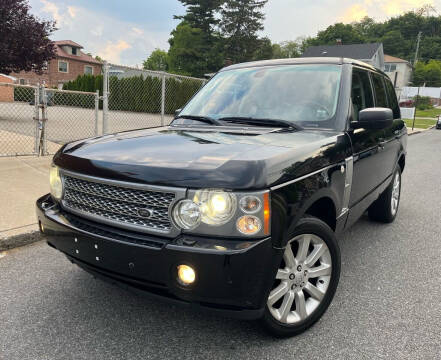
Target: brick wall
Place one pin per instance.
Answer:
(52, 77)
(6, 92)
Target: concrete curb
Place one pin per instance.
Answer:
(26, 238)
(420, 131)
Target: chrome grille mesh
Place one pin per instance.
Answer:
(118, 204)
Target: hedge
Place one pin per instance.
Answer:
(24, 94)
(139, 93)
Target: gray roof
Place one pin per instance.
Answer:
(354, 51)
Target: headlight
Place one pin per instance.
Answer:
(56, 183)
(217, 206)
(187, 214)
(249, 225)
(250, 204)
(224, 213)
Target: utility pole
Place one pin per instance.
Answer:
(417, 48)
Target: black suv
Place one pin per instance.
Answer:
(237, 204)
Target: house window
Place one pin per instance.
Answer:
(74, 51)
(63, 66)
(22, 82)
(88, 70)
(390, 67)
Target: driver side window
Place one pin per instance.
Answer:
(361, 92)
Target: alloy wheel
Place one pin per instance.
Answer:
(395, 194)
(301, 280)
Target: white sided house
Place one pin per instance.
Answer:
(399, 71)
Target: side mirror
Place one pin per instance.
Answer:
(177, 111)
(373, 118)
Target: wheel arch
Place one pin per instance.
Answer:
(323, 204)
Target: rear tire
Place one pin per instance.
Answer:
(385, 208)
(306, 280)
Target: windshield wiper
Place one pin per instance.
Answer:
(261, 122)
(205, 119)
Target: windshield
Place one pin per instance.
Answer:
(305, 95)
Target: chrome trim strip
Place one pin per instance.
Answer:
(349, 165)
(180, 194)
(115, 223)
(302, 177)
(126, 184)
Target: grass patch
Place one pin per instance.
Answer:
(428, 113)
(420, 123)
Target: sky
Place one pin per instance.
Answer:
(127, 31)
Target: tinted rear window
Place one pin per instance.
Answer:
(392, 99)
(380, 91)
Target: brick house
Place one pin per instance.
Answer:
(69, 62)
(6, 92)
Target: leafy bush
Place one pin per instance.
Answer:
(423, 102)
(137, 93)
(24, 94)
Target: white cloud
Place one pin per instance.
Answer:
(53, 10)
(114, 40)
(355, 12)
(72, 11)
(288, 19)
(381, 9)
(137, 31)
(112, 51)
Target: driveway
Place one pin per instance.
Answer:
(388, 304)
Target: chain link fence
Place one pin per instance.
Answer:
(141, 98)
(18, 119)
(69, 116)
(35, 120)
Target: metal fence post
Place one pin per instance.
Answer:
(163, 100)
(97, 109)
(105, 97)
(37, 117)
(43, 139)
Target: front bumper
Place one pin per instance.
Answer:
(232, 276)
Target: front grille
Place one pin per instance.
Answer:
(118, 205)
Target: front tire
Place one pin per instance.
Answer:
(385, 208)
(306, 280)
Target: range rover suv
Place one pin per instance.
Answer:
(237, 205)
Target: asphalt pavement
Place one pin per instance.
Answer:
(387, 306)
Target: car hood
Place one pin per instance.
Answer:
(207, 156)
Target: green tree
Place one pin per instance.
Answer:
(264, 50)
(188, 54)
(203, 53)
(287, 49)
(347, 33)
(240, 23)
(427, 74)
(24, 38)
(158, 60)
(200, 14)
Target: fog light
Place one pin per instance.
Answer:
(186, 275)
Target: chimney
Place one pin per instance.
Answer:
(338, 41)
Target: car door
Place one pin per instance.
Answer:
(392, 146)
(366, 167)
(386, 145)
